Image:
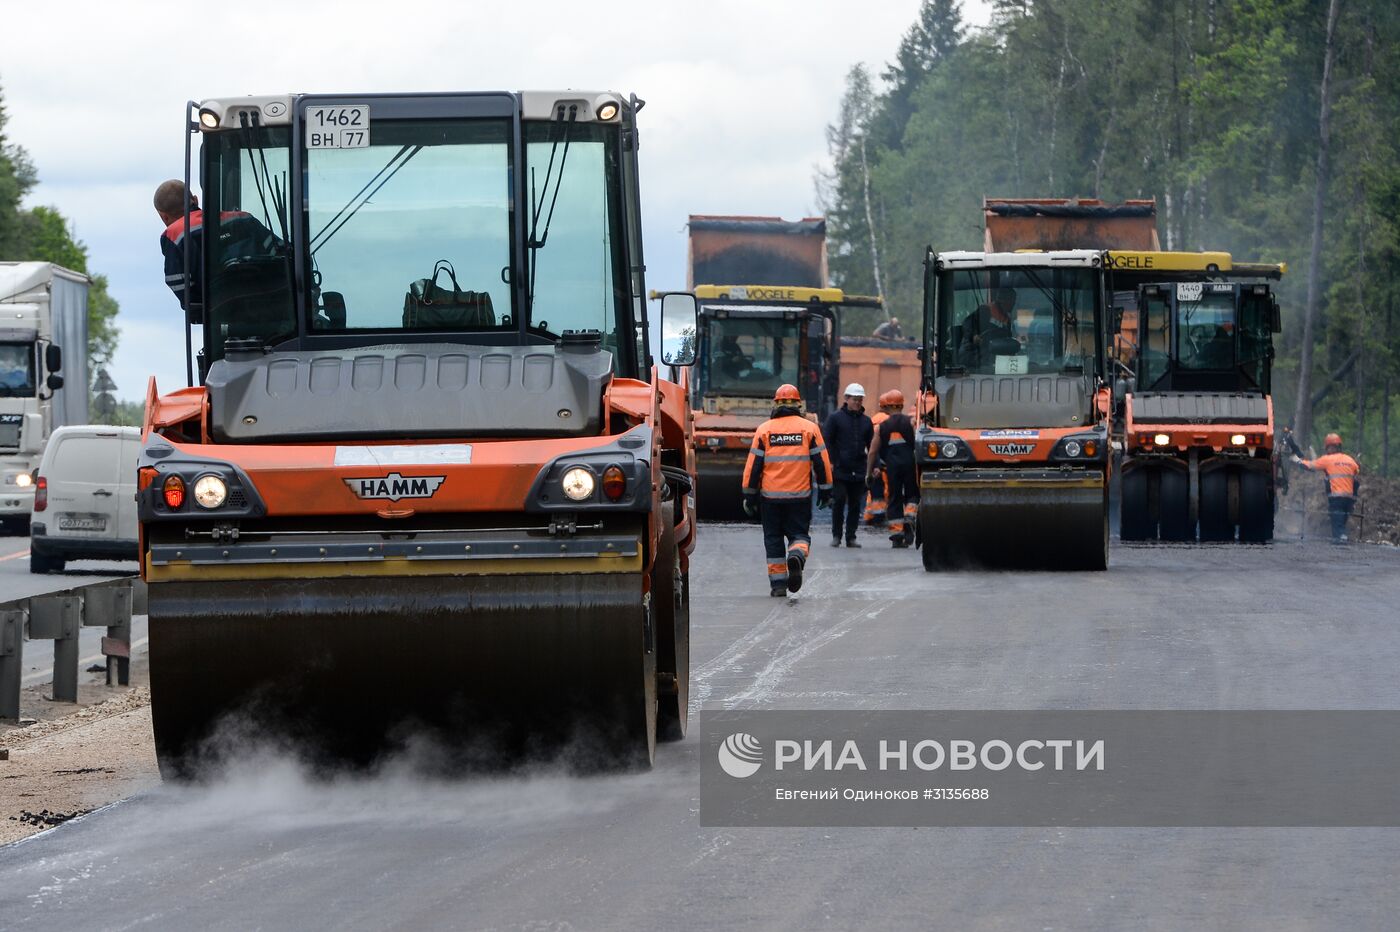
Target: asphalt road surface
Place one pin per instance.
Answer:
(1290, 626)
(16, 582)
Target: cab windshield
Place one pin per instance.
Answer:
(1205, 328)
(412, 231)
(1017, 321)
(751, 356)
(16, 370)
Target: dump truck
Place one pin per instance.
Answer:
(1198, 457)
(767, 318)
(1013, 444)
(43, 326)
(431, 482)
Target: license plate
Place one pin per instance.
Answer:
(82, 522)
(340, 127)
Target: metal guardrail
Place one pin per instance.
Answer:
(59, 617)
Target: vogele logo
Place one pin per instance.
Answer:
(740, 755)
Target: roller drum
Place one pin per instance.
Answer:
(351, 667)
(1015, 522)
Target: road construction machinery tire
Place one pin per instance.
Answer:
(1134, 515)
(1256, 507)
(670, 599)
(1217, 525)
(492, 669)
(1174, 505)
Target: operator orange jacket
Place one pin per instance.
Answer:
(1341, 472)
(786, 451)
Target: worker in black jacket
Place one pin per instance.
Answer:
(848, 433)
(893, 453)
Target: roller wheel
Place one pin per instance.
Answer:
(1174, 506)
(1214, 508)
(670, 599)
(1256, 507)
(1134, 520)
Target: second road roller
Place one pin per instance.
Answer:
(426, 478)
(1013, 450)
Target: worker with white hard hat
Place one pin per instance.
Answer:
(848, 432)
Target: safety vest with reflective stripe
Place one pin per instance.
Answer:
(1341, 472)
(786, 451)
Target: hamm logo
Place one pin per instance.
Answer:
(394, 486)
(1012, 449)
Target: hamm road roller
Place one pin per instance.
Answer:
(429, 480)
(1013, 444)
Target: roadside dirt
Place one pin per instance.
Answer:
(64, 760)
(1303, 510)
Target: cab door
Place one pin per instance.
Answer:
(83, 485)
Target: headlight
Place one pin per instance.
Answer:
(24, 480)
(1162, 439)
(1237, 439)
(210, 491)
(950, 449)
(1072, 448)
(578, 484)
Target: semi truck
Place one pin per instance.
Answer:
(431, 482)
(43, 373)
(767, 318)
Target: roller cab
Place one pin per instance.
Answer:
(1013, 444)
(429, 482)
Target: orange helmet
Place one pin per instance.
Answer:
(1332, 440)
(787, 394)
(894, 398)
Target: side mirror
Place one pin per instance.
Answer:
(53, 357)
(54, 382)
(1275, 318)
(1117, 320)
(678, 328)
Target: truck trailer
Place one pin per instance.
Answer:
(43, 373)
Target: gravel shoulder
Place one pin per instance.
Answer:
(64, 760)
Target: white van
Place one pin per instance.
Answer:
(85, 498)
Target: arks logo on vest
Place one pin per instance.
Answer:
(1011, 449)
(785, 440)
(394, 486)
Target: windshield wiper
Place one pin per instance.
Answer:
(332, 228)
(538, 239)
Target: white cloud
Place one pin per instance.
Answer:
(738, 92)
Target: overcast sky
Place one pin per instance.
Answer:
(738, 95)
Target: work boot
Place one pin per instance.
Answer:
(836, 542)
(795, 564)
(779, 591)
(852, 542)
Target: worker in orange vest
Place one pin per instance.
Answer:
(1342, 483)
(892, 453)
(879, 488)
(787, 450)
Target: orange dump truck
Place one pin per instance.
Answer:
(430, 484)
(767, 318)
